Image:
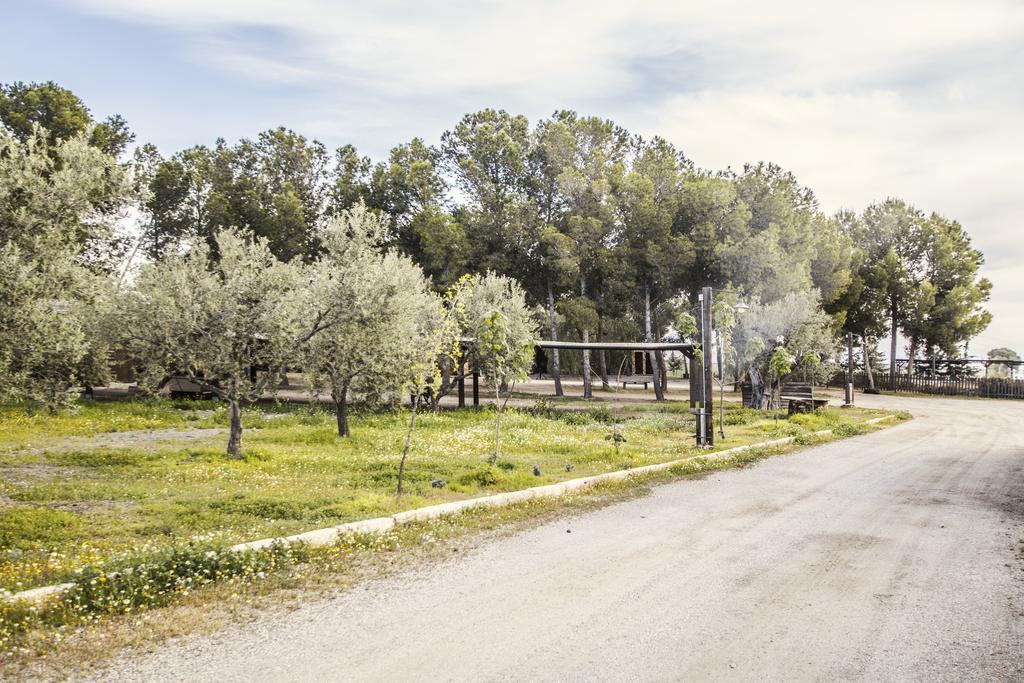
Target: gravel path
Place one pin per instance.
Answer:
(893, 556)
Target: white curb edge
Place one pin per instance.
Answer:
(379, 525)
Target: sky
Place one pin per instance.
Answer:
(862, 101)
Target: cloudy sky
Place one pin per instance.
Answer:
(920, 100)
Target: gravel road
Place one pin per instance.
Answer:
(892, 556)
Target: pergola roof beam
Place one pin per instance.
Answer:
(617, 346)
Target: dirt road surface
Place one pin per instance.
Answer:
(892, 556)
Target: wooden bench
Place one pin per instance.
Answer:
(179, 387)
(800, 396)
(636, 379)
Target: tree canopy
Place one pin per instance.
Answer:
(58, 111)
(609, 234)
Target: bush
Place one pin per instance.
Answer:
(270, 508)
(155, 581)
(102, 457)
(845, 430)
(822, 419)
(27, 527)
(483, 477)
(659, 422)
(542, 408)
(601, 413)
(742, 416)
(808, 439)
(150, 581)
(576, 419)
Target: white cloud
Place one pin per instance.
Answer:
(918, 99)
(583, 46)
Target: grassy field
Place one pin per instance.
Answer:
(110, 481)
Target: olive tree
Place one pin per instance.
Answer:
(780, 365)
(42, 337)
(500, 330)
(793, 327)
(1000, 370)
(217, 321)
(439, 346)
(61, 199)
(57, 206)
(382, 313)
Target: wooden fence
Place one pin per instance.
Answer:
(951, 385)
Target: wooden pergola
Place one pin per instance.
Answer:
(701, 388)
(686, 349)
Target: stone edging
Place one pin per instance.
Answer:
(379, 525)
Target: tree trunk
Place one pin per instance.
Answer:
(556, 368)
(408, 439)
(588, 392)
(341, 409)
(663, 370)
(497, 422)
(659, 391)
(446, 383)
(867, 361)
(602, 357)
(757, 395)
(910, 357)
(235, 433)
(893, 330)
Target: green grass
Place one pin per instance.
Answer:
(66, 506)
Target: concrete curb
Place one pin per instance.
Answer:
(379, 525)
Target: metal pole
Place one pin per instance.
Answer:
(707, 374)
(849, 370)
(721, 388)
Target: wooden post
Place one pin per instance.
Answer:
(476, 388)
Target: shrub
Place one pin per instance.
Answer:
(102, 457)
(808, 439)
(742, 416)
(809, 420)
(845, 430)
(26, 527)
(157, 580)
(542, 408)
(659, 422)
(601, 413)
(150, 581)
(576, 419)
(485, 476)
(270, 508)
(821, 419)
